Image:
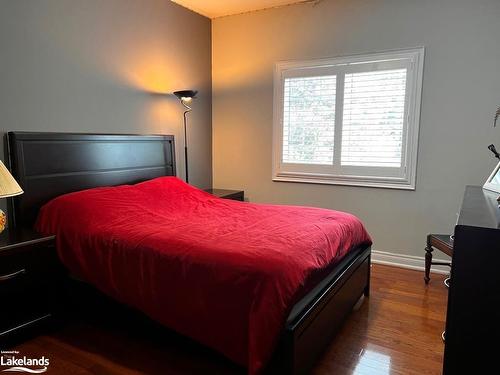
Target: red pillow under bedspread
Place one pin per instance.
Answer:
(223, 272)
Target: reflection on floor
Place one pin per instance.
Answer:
(371, 359)
(395, 331)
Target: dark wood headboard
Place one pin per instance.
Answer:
(47, 165)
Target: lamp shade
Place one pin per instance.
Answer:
(185, 94)
(8, 185)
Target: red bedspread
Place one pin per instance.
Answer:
(223, 272)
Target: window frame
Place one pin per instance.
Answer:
(405, 178)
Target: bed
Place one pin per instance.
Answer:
(49, 165)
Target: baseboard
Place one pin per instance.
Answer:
(407, 261)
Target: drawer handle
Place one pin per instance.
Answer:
(12, 275)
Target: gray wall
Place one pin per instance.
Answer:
(92, 66)
(461, 90)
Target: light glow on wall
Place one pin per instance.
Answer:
(151, 72)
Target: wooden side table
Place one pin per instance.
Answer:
(442, 242)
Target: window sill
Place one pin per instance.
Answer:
(346, 181)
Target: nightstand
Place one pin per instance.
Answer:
(29, 279)
(237, 195)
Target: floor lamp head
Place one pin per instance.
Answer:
(186, 96)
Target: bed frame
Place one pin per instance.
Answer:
(50, 164)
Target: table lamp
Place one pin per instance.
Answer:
(8, 188)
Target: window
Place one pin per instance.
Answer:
(350, 120)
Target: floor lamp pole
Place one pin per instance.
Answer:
(186, 143)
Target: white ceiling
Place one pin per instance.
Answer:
(219, 8)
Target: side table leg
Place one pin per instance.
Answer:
(428, 261)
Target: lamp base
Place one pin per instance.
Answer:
(3, 221)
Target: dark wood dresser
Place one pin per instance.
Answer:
(473, 316)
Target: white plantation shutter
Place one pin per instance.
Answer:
(373, 118)
(309, 120)
(350, 120)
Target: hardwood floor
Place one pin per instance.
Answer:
(397, 330)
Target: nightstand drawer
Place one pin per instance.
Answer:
(30, 263)
(24, 298)
(24, 280)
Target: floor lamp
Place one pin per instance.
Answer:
(186, 96)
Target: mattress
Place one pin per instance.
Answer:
(225, 273)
